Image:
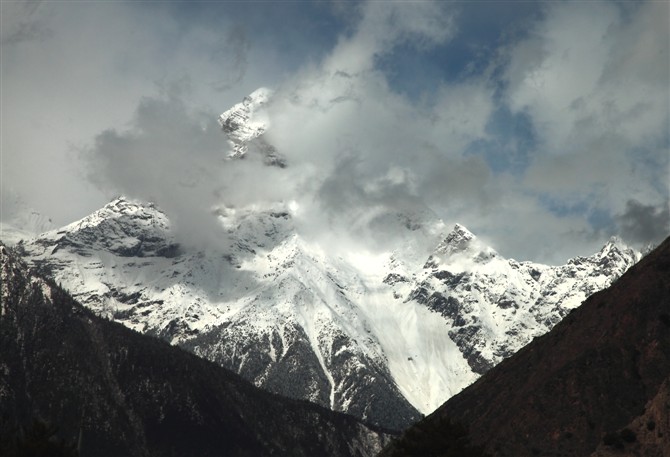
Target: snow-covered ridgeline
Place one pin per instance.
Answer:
(329, 327)
(382, 334)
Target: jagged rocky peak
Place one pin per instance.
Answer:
(245, 125)
(459, 237)
(125, 210)
(123, 226)
(613, 254)
(616, 247)
(238, 121)
(462, 242)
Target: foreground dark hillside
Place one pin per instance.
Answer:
(111, 391)
(597, 381)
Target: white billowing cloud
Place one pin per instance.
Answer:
(590, 68)
(590, 77)
(175, 156)
(358, 151)
(461, 114)
(558, 70)
(525, 230)
(361, 148)
(594, 79)
(341, 132)
(72, 70)
(169, 156)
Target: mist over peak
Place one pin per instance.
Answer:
(544, 142)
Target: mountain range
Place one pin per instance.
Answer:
(386, 334)
(382, 336)
(596, 385)
(72, 383)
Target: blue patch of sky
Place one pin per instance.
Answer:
(600, 219)
(509, 144)
(296, 31)
(482, 27)
(562, 208)
(656, 161)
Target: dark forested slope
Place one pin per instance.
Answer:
(594, 382)
(111, 391)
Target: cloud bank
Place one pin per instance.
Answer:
(545, 137)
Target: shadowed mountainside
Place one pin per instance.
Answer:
(116, 392)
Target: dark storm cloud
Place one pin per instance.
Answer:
(22, 24)
(27, 31)
(176, 157)
(645, 224)
(169, 156)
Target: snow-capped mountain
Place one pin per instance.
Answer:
(377, 334)
(383, 332)
(266, 303)
(494, 306)
(245, 124)
(118, 393)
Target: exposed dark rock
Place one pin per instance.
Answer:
(394, 278)
(463, 337)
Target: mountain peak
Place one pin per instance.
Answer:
(595, 372)
(460, 232)
(239, 123)
(462, 247)
(245, 125)
(116, 201)
(122, 205)
(615, 241)
(616, 250)
(457, 240)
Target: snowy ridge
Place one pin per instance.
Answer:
(383, 332)
(375, 334)
(494, 306)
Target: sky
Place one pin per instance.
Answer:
(543, 127)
